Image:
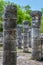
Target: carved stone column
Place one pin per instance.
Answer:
(35, 34)
(19, 35)
(9, 33)
(26, 36)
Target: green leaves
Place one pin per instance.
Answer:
(23, 14)
(2, 5)
(42, 10)
(20, 15)
(27, 7)
(41, 28)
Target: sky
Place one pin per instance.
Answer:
(35, 4)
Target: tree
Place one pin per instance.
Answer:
(27, 9)
(42, 10)
(23, 15)
(41, 21)
(20, 15)
(41, 28)
(2, 5)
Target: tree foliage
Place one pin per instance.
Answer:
(41, 28)
(20, 15)
(2, 5)
(42, 10)
(23, 14)
(27, 9)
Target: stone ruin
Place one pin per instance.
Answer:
(25, 35)
(19, 35)
(9, 33)
(35, 34)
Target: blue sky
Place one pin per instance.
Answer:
(35, 4)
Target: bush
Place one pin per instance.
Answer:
(1, 27)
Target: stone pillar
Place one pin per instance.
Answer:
(19, 35)
(9, 33)
(26, 36)
(29, 36)
(41, 46)
(35, 34)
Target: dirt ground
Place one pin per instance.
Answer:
(25, 59)
(22, 58)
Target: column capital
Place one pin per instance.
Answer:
(36, 13)
(26, 22)
(10, 12)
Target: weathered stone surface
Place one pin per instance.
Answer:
(36, 18)
(41, 46)
(35, 34)
(10, 12)
(26, 35)
(9, 31)
(19, 35)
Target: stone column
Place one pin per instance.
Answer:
(9, 33)
(30, 36)
(19, 35)
(26, 36)
(41, 46)
(35, 34)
